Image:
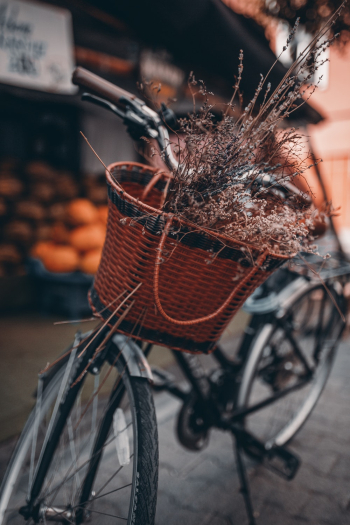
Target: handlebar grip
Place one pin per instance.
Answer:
(84, 78)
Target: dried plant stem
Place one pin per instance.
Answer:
(110, 317)
(99, 158)
(105, 340)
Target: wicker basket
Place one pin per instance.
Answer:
(193, 281)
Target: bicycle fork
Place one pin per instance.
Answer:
(68, 392)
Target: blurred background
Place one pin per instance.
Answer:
(52, 191)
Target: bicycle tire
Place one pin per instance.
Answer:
(136, 402)
(278, 423)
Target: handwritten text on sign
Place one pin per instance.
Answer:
(36, 46)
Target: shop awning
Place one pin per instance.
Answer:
(205, 36)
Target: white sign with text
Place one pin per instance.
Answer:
(36, 46)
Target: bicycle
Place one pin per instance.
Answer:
(85, 456)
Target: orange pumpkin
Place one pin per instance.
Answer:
(58, 211)
(43, 231)
(10, 187)
(19, 231)
(97, 193)
(87, 237)
(103, 214)
(60, 233)
(10, 254)
(90, 261)
(40, 249)
(30, 210)
(81, 211)
(38, 170)
(43, 192)
(61, 259)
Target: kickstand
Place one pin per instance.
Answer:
(244, 485)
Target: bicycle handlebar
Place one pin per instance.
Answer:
(135, 112)
(84, 78)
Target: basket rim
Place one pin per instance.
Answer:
(150, 169)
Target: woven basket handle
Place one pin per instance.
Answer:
(200, 319)
(156, 177)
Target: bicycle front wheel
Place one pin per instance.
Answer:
(289, 364)
(104, 468)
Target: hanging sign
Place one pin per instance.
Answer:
(36, 46)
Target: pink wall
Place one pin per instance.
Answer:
(331, 138)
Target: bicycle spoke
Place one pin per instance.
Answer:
(35, 431)
(295, 359)
(74, 457)
(55, 468)
(73, 426)
(105, 494)
(94, 409)
(104, 514)
(297, 350)
(111, 478)
(67, 474)
(85, 463)
(58, 400)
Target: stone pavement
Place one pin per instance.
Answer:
(202, 488)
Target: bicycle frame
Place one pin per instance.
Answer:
(268, 310)
(195, 374)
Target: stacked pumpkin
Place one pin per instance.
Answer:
(40, 206)
(76, 240)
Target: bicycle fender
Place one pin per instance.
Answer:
(135, 359)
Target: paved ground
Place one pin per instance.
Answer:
(27, 342)
(202, 488)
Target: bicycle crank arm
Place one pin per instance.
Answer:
(278, 459)
(163, 380)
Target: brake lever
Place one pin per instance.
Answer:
(133, 117)
(139, 117)
(98, 101)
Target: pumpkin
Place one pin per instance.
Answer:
(58, 211)
(38, 170)
(66, 187)
(43, 191)
(18, 231)
(10, 187)
(97, 194)
(81, 211)
(43, 231)
(30, 210)
(87, 237)
(41, 248)
(103, 214)
(61, 259)
(10, 254)
(90, 261)
(60, 233)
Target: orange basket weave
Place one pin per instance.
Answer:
(193, 281)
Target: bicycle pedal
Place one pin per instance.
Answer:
(283, 462)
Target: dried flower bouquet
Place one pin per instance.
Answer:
(232, 171)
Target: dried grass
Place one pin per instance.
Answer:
(224, 179)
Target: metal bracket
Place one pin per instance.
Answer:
(134, 357)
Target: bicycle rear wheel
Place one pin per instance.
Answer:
(105, 466)
(291, 359)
